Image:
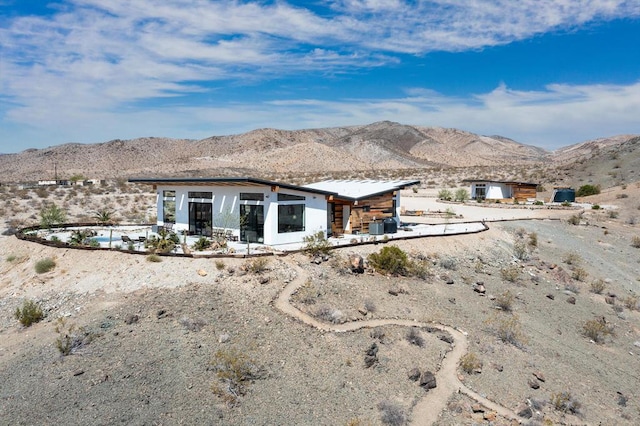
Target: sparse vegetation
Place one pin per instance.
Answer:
(520, 250)
(461, 195)
(533, 240)
(219, 265)
(154, 258)
(29, 314)
(328, 314)
(510, 273)
(635, 241)
(597, 286)
(392, 414)
(565, 402)
(445, 195)
(508, 329)
(317, 244)
(51, 215)
(449, 263)
(390, 260)
(505, 301)
(575, 219)
(234, 372)
(256, 265)
(579, 274)
(597, 329)
(202, 243)
(45, 265)
(586, 190)
(71, 339)
(415, 337)
(470, 363)
(164, 242)
(571, 258)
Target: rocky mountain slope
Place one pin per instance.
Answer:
(277, 153)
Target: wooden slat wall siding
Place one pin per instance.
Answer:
(380, 207)
(522, 193)
(338, 223)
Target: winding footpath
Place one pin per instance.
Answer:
(428, 409)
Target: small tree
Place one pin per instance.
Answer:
(391, 260)
(461, 195)
(51, 215)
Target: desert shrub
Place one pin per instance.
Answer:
(93, 242)
(565, 204)
(71, 339)
(572, 287)
(538, 203)
(445, 194)
(449, 263)
(219, 265)
(520, 232)
(51, 215)
(635, 241)
(307, 294)
(29, 314)
(202, 244)
(597, 329)
(510, 273)
(574, 219)
(461, 195)
(505, 301)
(317, 244)
(507, 329)
(392, 414)
(586, 190)
(571, 258)
(164, 242)
(632, 220)
(579, 274)
(623, 195)
(390, 260)
(154, 258)
(415, 337)
(595, 207)
(630, 302)
(520, 250)
(45, 265)
(256, 265)
(369, 305)
(11, 258)
(234, 372)
(328, 314)
(533, 240)
(613, 214)
(104, 216)
(470, 363)
(192, 324)
(420, 269)
(565, 402)
(80, 237)
(597, 286)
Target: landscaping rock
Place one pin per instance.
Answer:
(263, 279)
(414, 374)
(357, 263)
(479, 288)
(525, 412)
(131, 319)
(534, 384)
(477, 408)
(571, 300)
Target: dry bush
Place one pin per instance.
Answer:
(415, 337)
(533, 240)
(565, 402)
(30, 313)
(597, 329)
(635, 241)
(154, 258)
(507, 329)
(470, 363)
(328, 314)
(256, 265)
(579, 274)
(597, 286)
(307, 294)
(71, 339)
(630, 302)
(193, 324)
(449, 263)
(234, 371)
(505, 301)
(219, 265)
(520, 250)
(510, 273)
(572, 287)
(392, 414)
(571, 258)
(45, 265)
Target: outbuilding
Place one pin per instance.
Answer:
(502, 190)
(268, 212)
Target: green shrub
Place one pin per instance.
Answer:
(445, 195)
(219, 265)
(45, 265)
(51, 215)
(538, 203)
(202, 244)
(586, 190)
(30, 313)
(154, 258)
(317, 244)
(470, 363)
(390, 260)
(11, 258)
(461, 195)
(164, 242)
(595, 207)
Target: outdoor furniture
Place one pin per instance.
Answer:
(126, 239)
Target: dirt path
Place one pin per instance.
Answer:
(428, 409)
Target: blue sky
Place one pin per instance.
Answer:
(543, 72)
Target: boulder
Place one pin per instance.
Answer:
(414, 374)
(428, 380)
(357, 263)
(571, 300)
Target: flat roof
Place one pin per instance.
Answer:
(359, 189)
(510, 182)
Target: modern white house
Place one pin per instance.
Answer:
(267, 212)
(502, 190)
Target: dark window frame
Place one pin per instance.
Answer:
(200, 195)
(251, 196)
(290, 197)
(292, 223)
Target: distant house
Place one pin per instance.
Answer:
(502, 190)
(268, 212)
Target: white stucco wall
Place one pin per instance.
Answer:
(494, 190)
(226, 199)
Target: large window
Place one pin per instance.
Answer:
(290, 197)
(290, 218)
(252, 196)
(481, 191)
(169, 206)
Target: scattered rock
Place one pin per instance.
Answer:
(317, 260)
(490, 416)
(224, 338)
(610, 300)
(446, 338)
(550, 296)
(571, 300)
(78, 373)
(538, 375)
(534, 384)
(498, 367)
(477, 408)
(414, 374)
(371, 355)
(525, 412)
(131, 319)
(202, 272)
(553, 266)
(263, 279)
(622, 400)
(452, 300)
(479, 288)
(357, 263)
(428, 380)
(394, 291)
(162, 313)
(450, 281)
(363, 311)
